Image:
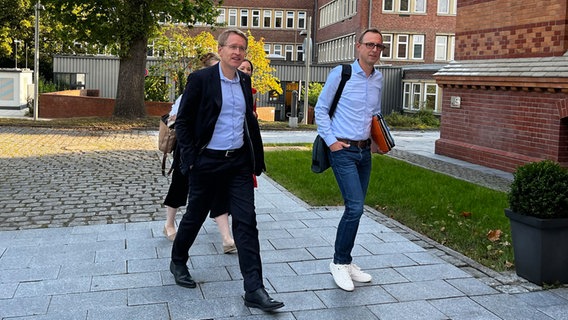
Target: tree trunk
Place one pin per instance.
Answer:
(129, 102)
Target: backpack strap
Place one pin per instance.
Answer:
(345, 75)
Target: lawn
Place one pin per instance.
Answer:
(460, 215)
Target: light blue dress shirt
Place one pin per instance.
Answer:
(360, 100)
(229, 129)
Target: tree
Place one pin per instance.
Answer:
(128, 24)
(263, 79)
(182, 55)
(16, 23)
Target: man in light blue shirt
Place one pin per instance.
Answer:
(347, 135)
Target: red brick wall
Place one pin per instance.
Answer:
(503, 129)
(75, 103)
(511, 29)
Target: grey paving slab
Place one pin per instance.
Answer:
(462, 308)
(510, 307)
(95, 249)
(411, 310)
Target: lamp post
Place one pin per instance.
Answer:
(16, 43)
(38, 7)
(308, 57)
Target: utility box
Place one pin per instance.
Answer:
(14, 87)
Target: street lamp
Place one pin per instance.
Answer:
(308, 57)
(16, 43)
(38, 7)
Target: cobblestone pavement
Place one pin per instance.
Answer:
(58, 178)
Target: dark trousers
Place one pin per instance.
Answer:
(232, 177)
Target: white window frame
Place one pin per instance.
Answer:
(415, 95)
(441, 51)
(267, 48)
(267, 14)
(418, 46)
(279, 19)
(402, 46)
(416, 4)
(390, 4)
(289, 52)
(300, 56)
(387, 41)
(290, 19)
(255, 18)
(232, 18)
(221, 18)
(301, 20)
(278, 49)
(447, 7)
(400, 3)
(243, 18)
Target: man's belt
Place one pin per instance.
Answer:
(357, 143)
(222, 153)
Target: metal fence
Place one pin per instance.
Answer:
(101, 72)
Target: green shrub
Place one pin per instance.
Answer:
(427, 118)
(540, 189)
(156, 89)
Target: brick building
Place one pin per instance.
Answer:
(419, 35)
(505, 98)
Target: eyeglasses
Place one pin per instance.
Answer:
(236, 48)
(372, 45)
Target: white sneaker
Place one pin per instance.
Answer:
(340, 273)
(358, 275)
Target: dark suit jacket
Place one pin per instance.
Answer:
(198, 112)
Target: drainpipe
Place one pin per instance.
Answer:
(370, 14)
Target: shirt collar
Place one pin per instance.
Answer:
(223, 78)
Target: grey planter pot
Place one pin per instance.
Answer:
(540, 247)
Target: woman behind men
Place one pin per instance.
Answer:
(179, 187)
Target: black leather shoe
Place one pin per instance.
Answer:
(182, 276)
(261, 300)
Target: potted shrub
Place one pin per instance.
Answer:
(538, 214)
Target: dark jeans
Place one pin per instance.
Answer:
(232, 177)
(352, 169)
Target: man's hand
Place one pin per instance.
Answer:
(338, 145)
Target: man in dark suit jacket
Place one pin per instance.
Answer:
(220, 148)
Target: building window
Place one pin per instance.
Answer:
(447, 7)
(244, 17)
(418, 47)
(289, 52)
(255, 18)
(299, 53)
(337, 11)
(69, 81)
(444, 48)
(420, 95)
(302, 20)
(431, 97)
(267, 17)
(290, 19)
(232, 17)
(420, 6)
(405, 6)
(267, 48)
(337, 50)
(402, 46)
(387, 41)
(278, 16)
(278, 49)
(221, 16)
